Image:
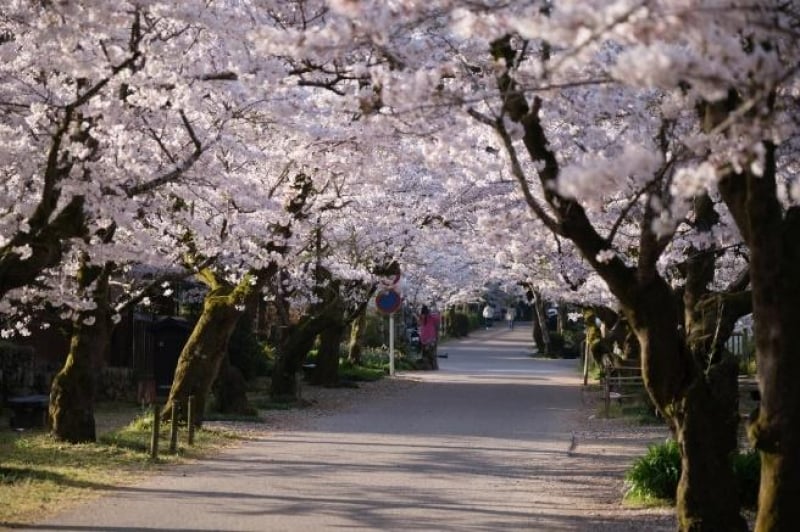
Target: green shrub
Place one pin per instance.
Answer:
(378, 358)
(351, 372)
(655, 475)
(458, 325)
(573, 340)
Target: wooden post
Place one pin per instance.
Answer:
(190, 419)
(607, 392)
(156, 429)
(586, 361)
(173, 429)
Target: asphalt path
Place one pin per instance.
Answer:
(485, 443)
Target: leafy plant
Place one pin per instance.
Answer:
(458, 325)
(351, 372)
(655, 475)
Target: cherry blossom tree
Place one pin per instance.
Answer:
(549, 86)
(636, 154)
(102, 105)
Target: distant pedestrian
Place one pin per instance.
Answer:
(511, 315)
(428, 336)
(488, 316)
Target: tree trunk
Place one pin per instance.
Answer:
(540, 318)
(597, 347)
(357, 331)
(562, 318)
(230, 390)
(771, 233)
(538, 338)
(701, 406)
(291, 352)
(776, 430)
(327, 371)
(200, 359)
(706, 424)
(73, 389)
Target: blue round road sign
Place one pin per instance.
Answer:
(388, 301)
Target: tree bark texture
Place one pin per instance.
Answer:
(598, 347)
(772, 237)
(291, 352)
(540, 319)
(327, 371)
(72, 392)
(329, 316)
(230, 390)
(200, 359)
(356, 345)
(561, 322)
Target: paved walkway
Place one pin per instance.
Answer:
(481, 444)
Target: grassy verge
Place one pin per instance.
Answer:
(39, 475)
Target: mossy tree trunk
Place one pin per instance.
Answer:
(329, 317)
(597, 347)
(357, 331)
(327, 371)
(771, 233)
(72, 392)
(207, 346)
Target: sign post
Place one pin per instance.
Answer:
(388, 302)
(391, 345)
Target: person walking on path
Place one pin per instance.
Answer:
(511, 315)
(488, 315)
(428, 337)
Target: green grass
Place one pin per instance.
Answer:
(39, 475)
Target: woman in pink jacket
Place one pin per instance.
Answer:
(428, 336)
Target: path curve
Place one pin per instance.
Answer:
(495, 440)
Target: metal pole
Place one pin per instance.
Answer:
(586, 361)
(391, 344)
